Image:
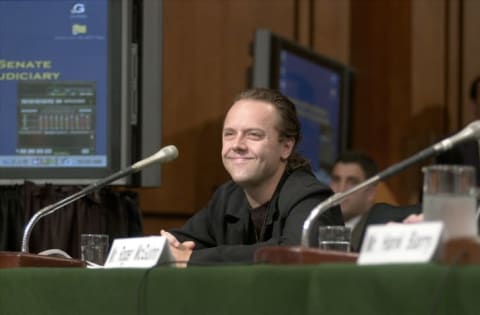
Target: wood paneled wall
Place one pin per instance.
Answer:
(412, 61)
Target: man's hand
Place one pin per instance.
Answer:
(180, 251)
(414, 218)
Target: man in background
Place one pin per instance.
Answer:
(271, 193)
(349, 170)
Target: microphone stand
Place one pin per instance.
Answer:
(339, 197)
(54, 207)
(472, 130)
(305, 255)
(23, 258)
(166, 154)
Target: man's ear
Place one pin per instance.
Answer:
(288, 144)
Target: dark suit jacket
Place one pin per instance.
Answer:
(382, 213)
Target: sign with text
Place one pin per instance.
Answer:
(400, 243)
(139, 252)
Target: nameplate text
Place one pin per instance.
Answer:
(400, 243)
(138, 252)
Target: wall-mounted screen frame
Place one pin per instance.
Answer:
(72, 107)
(319, 86)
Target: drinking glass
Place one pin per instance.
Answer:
(334, 237)
(94, 248)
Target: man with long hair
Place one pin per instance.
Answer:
(271, 193)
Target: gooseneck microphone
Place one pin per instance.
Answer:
(471, 131)
(166, 154)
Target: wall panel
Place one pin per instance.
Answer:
(470, 54)
(331, 29)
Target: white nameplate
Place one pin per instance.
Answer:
(400, 243)
(138, 252)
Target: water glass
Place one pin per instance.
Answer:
(334, 237)
(94, 248)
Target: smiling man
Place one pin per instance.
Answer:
(271, 193)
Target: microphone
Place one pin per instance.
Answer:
(471, 131)
(166, 154)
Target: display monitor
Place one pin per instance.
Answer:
(68, 91)
(319, 86)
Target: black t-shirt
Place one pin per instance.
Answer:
(258, 216)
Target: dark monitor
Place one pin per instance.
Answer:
(320, 88)
(69, 91)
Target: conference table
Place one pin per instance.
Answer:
(330, 288)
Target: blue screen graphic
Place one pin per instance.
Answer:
(53, 83)
(316, 92)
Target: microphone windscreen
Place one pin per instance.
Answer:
(166, 154)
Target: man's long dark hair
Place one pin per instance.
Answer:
(289, 126)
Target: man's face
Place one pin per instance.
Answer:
(346, 176)
(252, 152)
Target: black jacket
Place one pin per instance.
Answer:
(224, 233)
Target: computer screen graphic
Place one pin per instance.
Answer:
(57, 89)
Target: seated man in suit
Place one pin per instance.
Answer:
(271, 193)
(350, 169)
